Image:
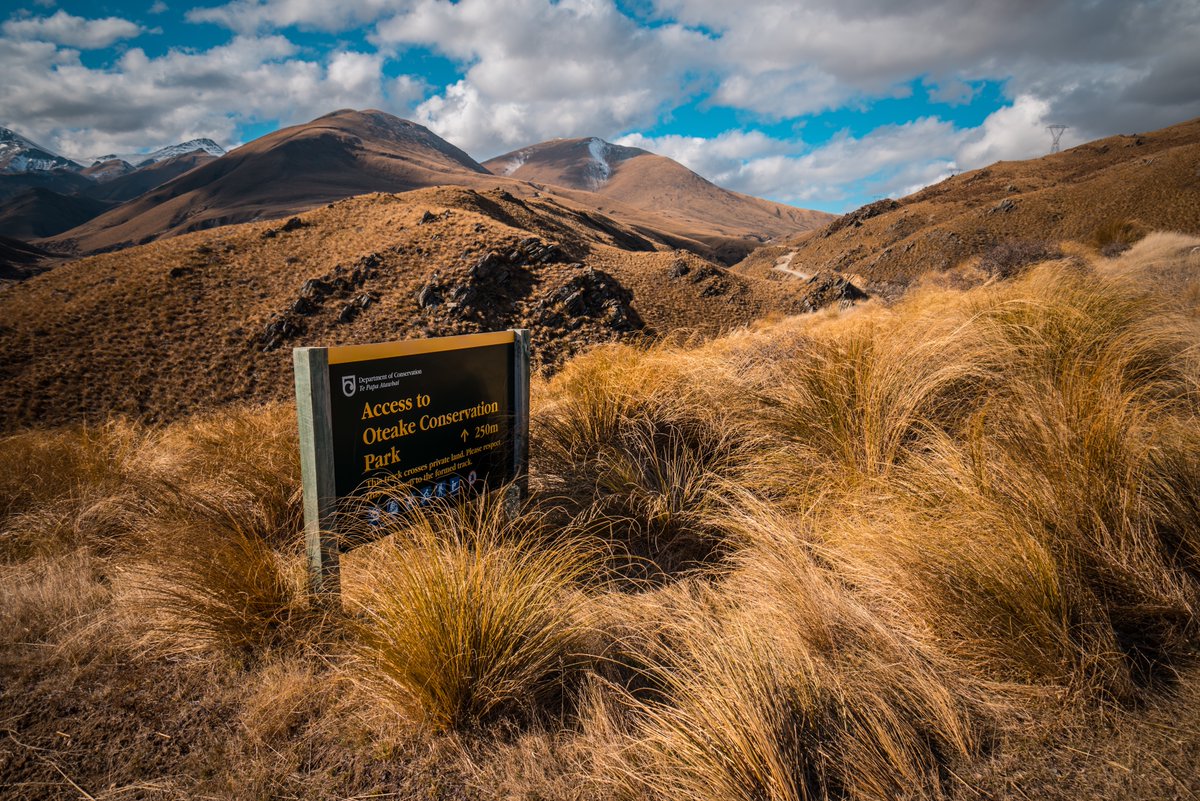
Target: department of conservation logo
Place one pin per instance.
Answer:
(348, 385)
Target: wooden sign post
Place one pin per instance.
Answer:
(447, 417)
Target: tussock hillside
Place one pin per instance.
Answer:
(200, 320)
(1105, 194)
(944, 549)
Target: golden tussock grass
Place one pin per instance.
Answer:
(888, 546)
(467, 616)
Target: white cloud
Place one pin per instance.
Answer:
(249, 16)
(893, 160)
(1101, 65)
(141, 101)
(65, 29)
(1013, 132)
(538, 70)
(158, 7)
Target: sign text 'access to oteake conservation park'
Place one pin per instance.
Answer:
(443, 418)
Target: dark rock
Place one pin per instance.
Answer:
(315, 289)
(429, 295)
(679, 269)
(826, 289)
(280, 329)
(303, 306)
(293, 224)
(1004, 206)
(427, 218)
(595, 295)
(858, 216)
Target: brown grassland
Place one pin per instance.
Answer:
(945, 548)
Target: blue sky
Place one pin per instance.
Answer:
(824, 103)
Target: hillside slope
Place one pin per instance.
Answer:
(42, 212)
(1102, 193)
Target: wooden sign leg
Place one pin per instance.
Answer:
(316, 470)
(520, 467)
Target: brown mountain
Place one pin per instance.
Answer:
(104, 171)
(658, 185)
(140, 180)
(20, 260)
(1100, 194)
(42, 212)
(341, 154)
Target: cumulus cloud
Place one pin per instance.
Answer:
(893, 160)
(141, 101)
(538, 70)
(837, 172)
(1097, 63)
(65, 29)
(1013, 132)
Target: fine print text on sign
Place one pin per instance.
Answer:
(444, 417)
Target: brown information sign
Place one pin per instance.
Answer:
(447, 416)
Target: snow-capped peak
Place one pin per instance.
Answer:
(207, 145)
(164, 153)
(18, 154)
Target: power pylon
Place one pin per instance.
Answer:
(1056, 132)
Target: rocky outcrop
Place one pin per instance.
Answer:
(344, 283)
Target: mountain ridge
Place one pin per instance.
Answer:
(350, 152)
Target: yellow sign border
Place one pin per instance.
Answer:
(345, 354)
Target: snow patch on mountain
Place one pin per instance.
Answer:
(515, 163)
(599, 170)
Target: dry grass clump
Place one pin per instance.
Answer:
(62, 489)
(1115, 236)
(243, 461)
(854, 404)
(641, 446)
(216, 585)
(1011, 257)
(785, 687)
(467, 617)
